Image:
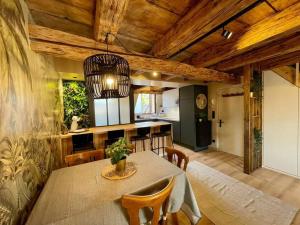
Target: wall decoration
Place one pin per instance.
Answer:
(75, 103)
(30, 116)
(201, 101)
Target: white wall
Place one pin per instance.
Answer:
(170, 103)
(280, 124)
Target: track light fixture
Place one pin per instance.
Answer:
(226, 33)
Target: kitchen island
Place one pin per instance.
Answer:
(99, 135)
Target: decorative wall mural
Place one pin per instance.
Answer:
(29, 116)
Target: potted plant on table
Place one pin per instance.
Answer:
(118, 152)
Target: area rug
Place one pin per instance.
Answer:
(229, 201)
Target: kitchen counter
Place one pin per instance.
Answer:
(158, 119)
(126, 127)
(100, 135)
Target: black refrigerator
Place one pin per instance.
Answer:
(195, 128)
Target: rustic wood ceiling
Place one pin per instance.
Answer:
(164, 28)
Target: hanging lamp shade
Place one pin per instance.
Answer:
(107, 76)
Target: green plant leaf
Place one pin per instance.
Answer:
(118, 150)
(75, 103)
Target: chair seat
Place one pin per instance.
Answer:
(161, 134)
(139, 138)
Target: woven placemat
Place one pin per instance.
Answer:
(109, 172)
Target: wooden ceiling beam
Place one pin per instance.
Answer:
(37, 32)
(200, 20)
(272, 28)
(136, 62)
(108, 18)
(163, 78)
(288, 73)
(149, 90)
(274, 49)
(284, 60)
(62, 10)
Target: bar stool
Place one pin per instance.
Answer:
(113, 136)
(143, 134)
(165, 131)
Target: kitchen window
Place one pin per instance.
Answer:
(145, 104)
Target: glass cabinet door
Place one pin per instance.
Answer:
(100, 112)
(124, 110)
(113, 111)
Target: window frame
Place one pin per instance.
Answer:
(155, 107)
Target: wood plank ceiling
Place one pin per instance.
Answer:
(188, 31)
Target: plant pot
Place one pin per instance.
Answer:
(121, 165)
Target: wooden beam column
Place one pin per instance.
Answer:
(247, 72)
(108, 18)
(253, 94)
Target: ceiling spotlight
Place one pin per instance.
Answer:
(226, 33)
(155, 74)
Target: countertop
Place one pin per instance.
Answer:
(159, 118)
(126, 127)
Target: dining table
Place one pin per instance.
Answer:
(80, 195)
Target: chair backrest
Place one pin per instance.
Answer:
(115, 134)
(133, 203)
(109, 142)
(84, 157)
(165, 128)
(143, 131)
(180, 156)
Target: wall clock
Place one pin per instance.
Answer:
(201, 101)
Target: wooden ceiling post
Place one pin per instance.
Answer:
(247, 73)
(108, 18)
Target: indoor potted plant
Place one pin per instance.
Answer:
(118, 152)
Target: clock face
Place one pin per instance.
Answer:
(201, 101)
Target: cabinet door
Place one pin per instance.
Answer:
(124, 110)
(203, 131)
(113, 111)
(176, 132)
(187, 92)
(187, 121)
(100, 112)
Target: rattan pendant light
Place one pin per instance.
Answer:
(107, 75)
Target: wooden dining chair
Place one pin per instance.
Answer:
(133, 203)
(84, 157)
(179, 155)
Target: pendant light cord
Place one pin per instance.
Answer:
(106, 41)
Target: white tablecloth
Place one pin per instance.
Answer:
(80, 195)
